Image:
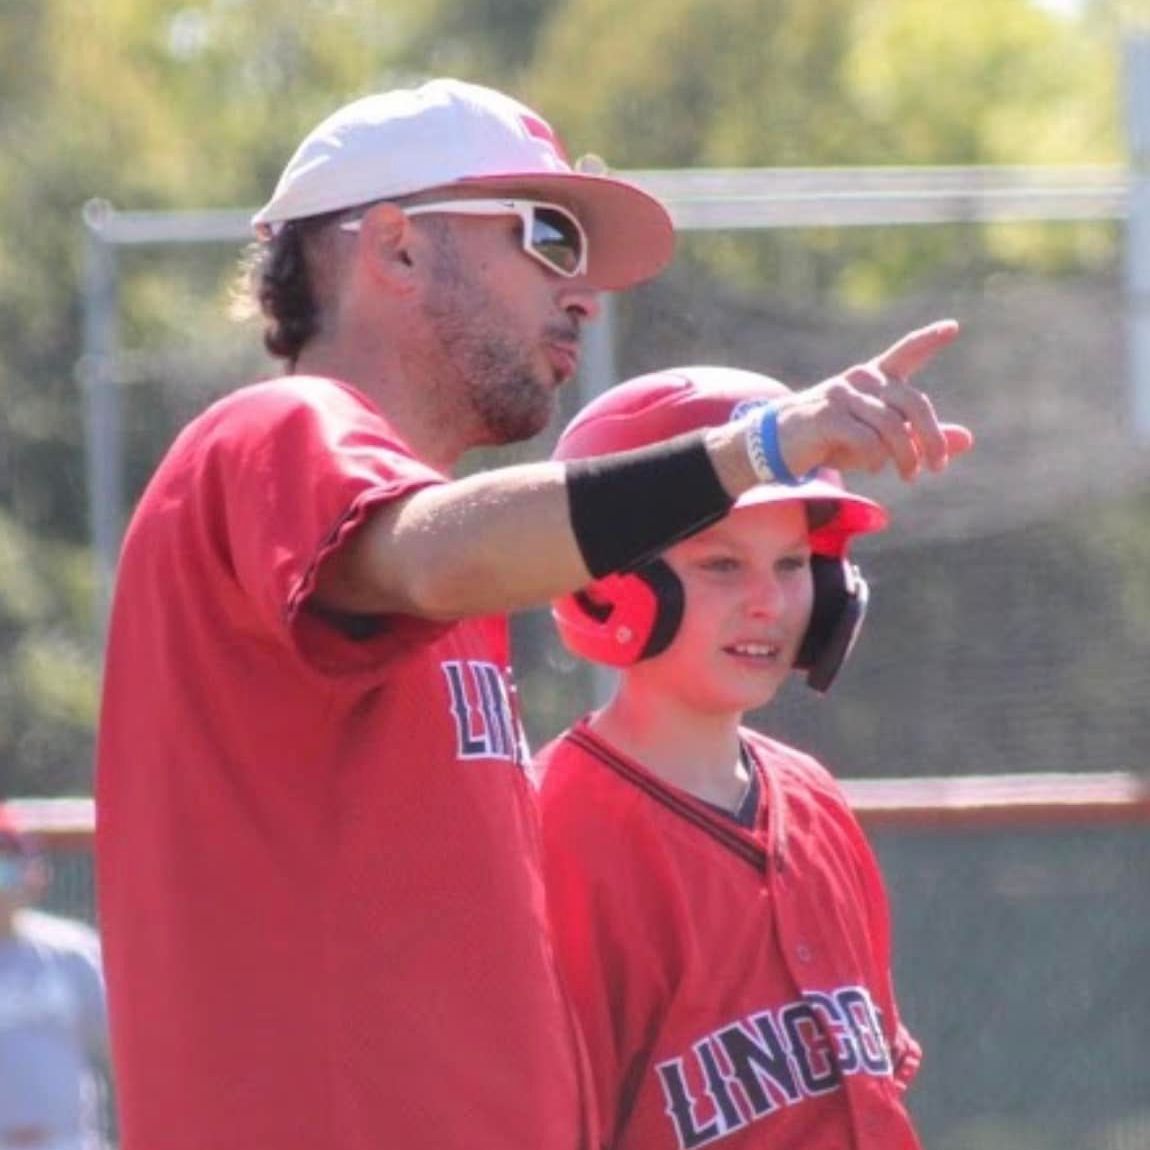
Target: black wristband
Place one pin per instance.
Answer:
(627, 508)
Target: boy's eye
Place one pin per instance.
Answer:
(795, 562)
(719, 563)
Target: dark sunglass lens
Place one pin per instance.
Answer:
(556, 238)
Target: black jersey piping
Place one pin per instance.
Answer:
(718, 828)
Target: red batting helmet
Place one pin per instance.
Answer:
(621, 619)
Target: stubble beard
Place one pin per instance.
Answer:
(494, 385)
(509, 403)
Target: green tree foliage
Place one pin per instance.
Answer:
(783, 82)
(483, 40)
(777, 83)
(149, 104)
(999, 82)
(683, 83)
(168, 104)
(47, 675)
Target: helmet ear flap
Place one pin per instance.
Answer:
(620, 619)
(841, 595)
(667, 589)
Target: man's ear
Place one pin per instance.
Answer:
(386, 238)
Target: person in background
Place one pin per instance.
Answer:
(719, 916)
(53, 1021)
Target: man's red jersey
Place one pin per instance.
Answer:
(733, 982)
(318, 852)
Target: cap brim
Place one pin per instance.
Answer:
(629, 232)
(856, 515)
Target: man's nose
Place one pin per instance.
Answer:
(579, 300)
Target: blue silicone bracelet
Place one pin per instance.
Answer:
(768, 437)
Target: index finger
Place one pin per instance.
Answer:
(959, 439)
(902, 359)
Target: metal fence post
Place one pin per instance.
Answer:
(1137, 246)
(99, 386)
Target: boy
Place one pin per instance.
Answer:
(720, 919)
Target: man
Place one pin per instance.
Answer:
(319, 878)
(53, 1044)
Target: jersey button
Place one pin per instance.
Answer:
(803, 952)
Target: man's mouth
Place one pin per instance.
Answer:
(564, 359)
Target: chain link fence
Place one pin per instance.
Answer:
(1009, 635)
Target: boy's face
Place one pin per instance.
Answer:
(748, 596)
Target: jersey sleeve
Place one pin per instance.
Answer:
(290, 474)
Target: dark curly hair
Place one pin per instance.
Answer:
(277, 283)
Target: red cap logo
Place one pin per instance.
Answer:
(539, 129)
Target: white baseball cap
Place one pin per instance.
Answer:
(448, 134)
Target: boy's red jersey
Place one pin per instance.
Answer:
(733, 983)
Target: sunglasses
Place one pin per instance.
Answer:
(550, 234)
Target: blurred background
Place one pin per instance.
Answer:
(840, 170)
